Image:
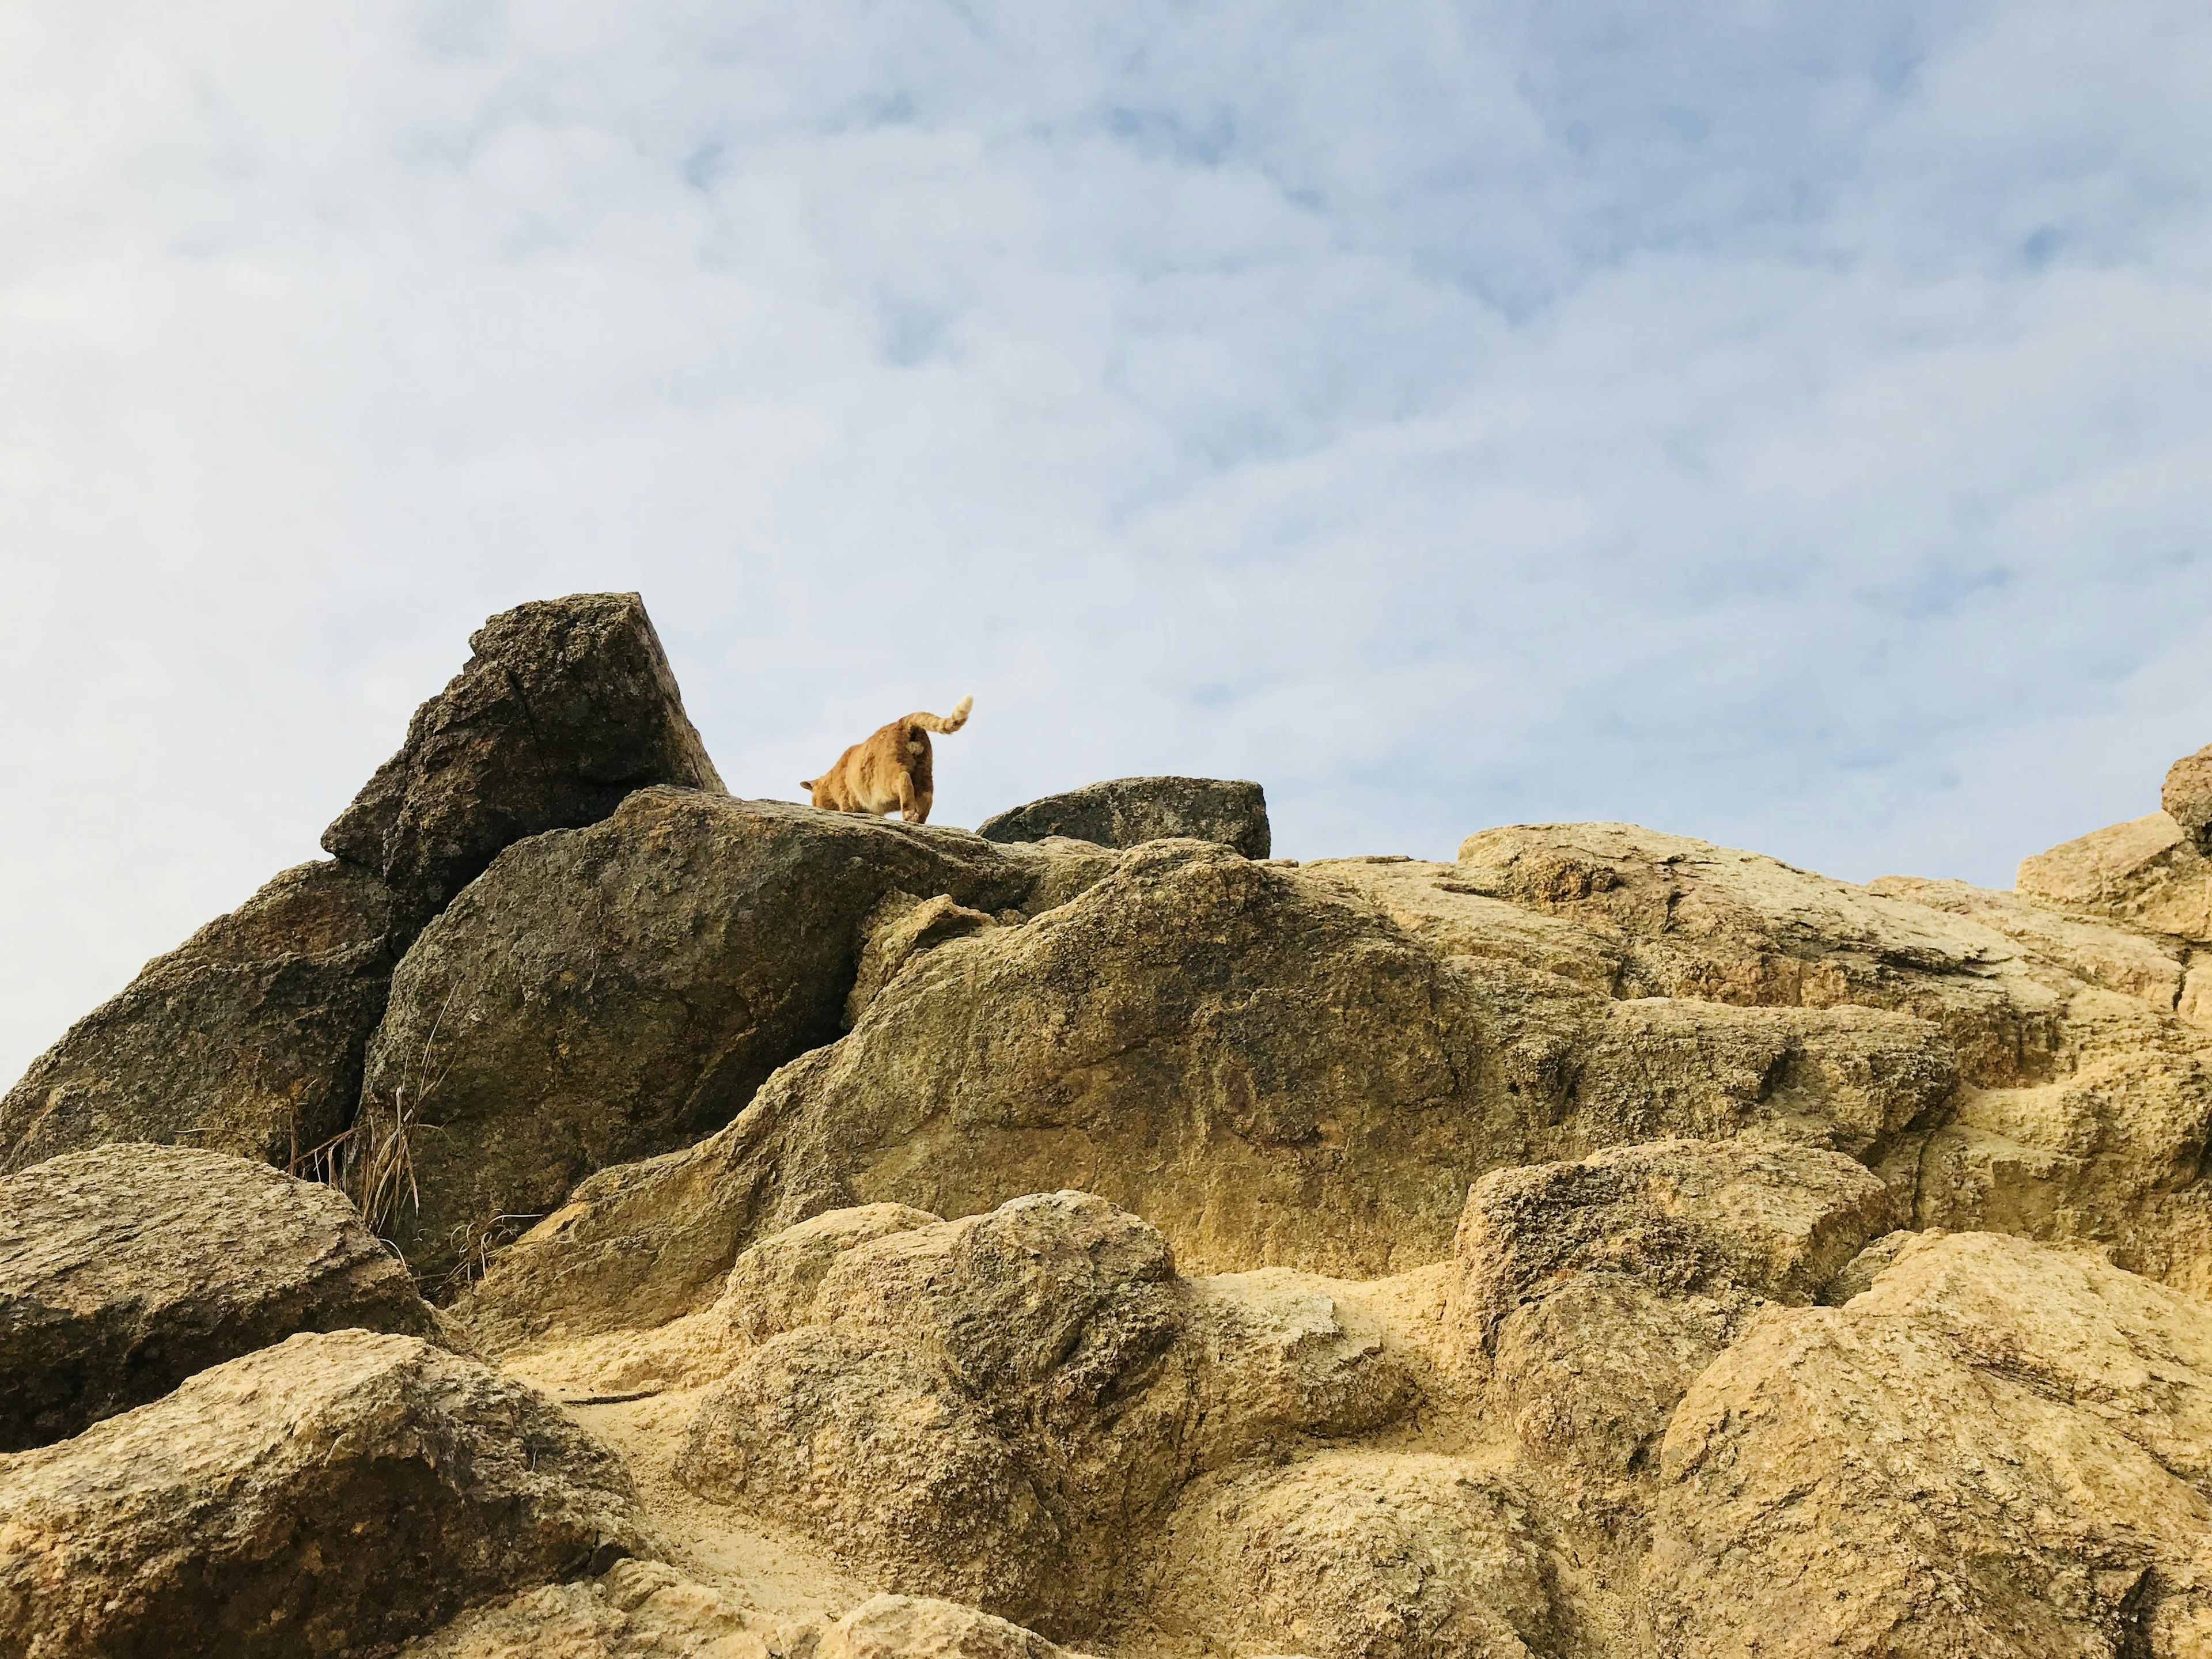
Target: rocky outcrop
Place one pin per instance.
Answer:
(247, 1038)
(1263, 1058)
(1998, 1448)
(2186, 797)
(1129, 811)
(125, 1269)
(564, 707)
(605, 993)
(337, 1493)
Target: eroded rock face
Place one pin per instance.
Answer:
(969, 1414)
(247, 1038)
(337, 1493)
(2148, 871)
(125, 1269)
(1356, 1556)
(605, 993)
(564, 707)
(988, 1409)
(1599, 1290)
(1264, 1059)
(1998, 1448)
(1130, 812)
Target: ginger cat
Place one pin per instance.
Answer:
(891, 771)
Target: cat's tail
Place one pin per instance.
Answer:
(951, 722)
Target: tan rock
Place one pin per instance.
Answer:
(1355, 1556)
(1998, 1448)
(2187, 796)
(900, 928)
(988, 1409)
(1600, 1290)
(917, 1627)
(337, 1493)
(2145, 871)
(1263, 1059)
(636, 1610)
(125, 1269)
(775, 1285)
(1714, 923)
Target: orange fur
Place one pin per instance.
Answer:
(891, 771)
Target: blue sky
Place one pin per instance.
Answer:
(1786, 424)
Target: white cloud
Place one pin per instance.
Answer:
(1784, 424)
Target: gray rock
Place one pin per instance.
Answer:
(2187, 796)
(566, 706)
(126, 1268)
(616, 992)
(335, 1494)
(247, 1038)
(1125, 811)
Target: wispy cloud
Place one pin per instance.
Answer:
(1787, 424)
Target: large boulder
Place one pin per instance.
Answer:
(967, 1411)
(1998, 1448)
(1598, 1290)
(1128, 812)
(564, 707)
(990, 1408)
(247, 1038)
(1277, 1070)
(125, 1269)
(609, 992)
(335, 1494)
(2187, 796)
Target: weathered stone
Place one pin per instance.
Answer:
(1129, 811)
(1600, 1290)
(617, 991)
(125, 1269)
(1355, 1555)
(565, 707)
(636, 1610)
(981, 1409)
(956, 1419)
(1712, 924)
(1266, 1062)
(2147, 872)
(335, 1494)
(2187, 796)
(918, 1627)
(1679, 1215)
(899, 929)
(246, 1038)
(1998, 1448)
